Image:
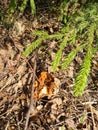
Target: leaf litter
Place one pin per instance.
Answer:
(60, 110)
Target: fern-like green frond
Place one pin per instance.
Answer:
(64, 42)
(91, 33)
(81, 79)
(63, 10)
(33, 7)
(12, 6)
(57, 36)
(33, 46)
(23, 6)
(56, 61)
(71, 56)
(73, 36)
(40, 33)
(65, 29)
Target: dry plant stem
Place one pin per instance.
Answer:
(8, 83)
(7, 126)
(31, 69)
(31, 100)
(94, 126)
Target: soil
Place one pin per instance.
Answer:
(52, 112)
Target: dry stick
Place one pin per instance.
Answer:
(31, 69)
(94, 126)
(7, 125)
(31, 100)
(8, 82)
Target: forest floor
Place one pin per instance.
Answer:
(59, 111)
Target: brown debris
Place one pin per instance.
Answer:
(52, 111)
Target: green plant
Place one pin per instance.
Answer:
(8, 15)
(80, 24)
(32, 4)
(12, 6)
(81, 79)
(82, 118)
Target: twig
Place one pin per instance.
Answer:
(31, 100)
(89, 103)
(92, 115)
(7, 125)
(31, 68)
(8, 82)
